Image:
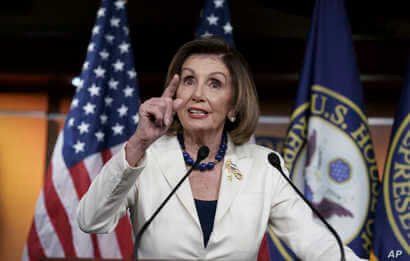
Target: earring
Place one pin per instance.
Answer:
(232, 119)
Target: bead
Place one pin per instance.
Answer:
(210, 165)
(202, 166)
(190, 161)
(218, 157)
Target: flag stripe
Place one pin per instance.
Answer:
(96, 246)
(66, 191)
(80, 178)
(93, 165)
(123, 232)
(34, 248)
(58, 216)
(45, 231)
(25, 256)
(106, 155)
(263, 254)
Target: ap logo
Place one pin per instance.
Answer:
(395, 254)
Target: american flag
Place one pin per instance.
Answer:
(215, 20)
(103, 115)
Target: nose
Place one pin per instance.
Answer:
(198, 94)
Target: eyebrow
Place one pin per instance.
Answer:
(192, 71)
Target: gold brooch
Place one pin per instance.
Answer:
(232, 170)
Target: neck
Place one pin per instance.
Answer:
(193, 141)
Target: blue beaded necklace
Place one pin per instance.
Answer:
(204, 166)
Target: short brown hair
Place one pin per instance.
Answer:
(245, 101)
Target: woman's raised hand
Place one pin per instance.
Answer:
(156, 115)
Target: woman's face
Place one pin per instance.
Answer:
(206, 90)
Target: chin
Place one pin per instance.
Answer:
(198, 128)
(201, 128)
(207, 125)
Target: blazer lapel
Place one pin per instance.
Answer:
(173, 168)
(235, 172)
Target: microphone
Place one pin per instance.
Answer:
(203, 152)
(275, 162)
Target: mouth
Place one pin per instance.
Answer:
(197, 113)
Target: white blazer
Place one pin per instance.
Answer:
(261, 199)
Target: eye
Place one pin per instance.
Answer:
(188, 80)
(215, 83)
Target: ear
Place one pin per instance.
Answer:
(231, 116)
(231, 113)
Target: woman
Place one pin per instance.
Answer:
(232, 199)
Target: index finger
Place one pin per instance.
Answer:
(171, 88)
